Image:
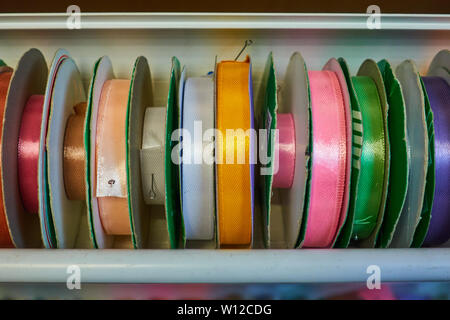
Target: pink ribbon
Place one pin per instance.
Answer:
(28, 152)
(284, 157)
(329, 160)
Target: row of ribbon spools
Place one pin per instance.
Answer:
(322, 159)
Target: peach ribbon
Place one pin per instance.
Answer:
(75, 154)
(234, 180)
(5, 237)
(110, 154)
(329, 160)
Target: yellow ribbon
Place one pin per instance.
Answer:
(234, 189)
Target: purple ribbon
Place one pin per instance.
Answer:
(438, 91)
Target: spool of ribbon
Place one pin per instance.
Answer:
(438, 91)
(110, 158)
(28, 152)
(329, 160)
(373, 157)
(75, 154)
(152, 155)
(197, 168)
(5, 78)
(284, 156)
(234, 183)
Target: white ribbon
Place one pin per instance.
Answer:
(152, 155)
(197, 178)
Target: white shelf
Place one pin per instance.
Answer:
(224, 266)
(224, 21)
(196, 38)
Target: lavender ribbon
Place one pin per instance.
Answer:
(438, 91)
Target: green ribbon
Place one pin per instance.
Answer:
(373, 157)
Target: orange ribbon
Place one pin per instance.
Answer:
(5, 237)
(234, 182)
(110, 153)
(75, 155)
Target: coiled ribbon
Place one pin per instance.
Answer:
(28, 152)
(370, 188)
(284, 157)
(110, 154)
(329, 161)
(438, 91)
(152, 155)
(234, 180)
(75, 155)
(197, 174)
(5, 237)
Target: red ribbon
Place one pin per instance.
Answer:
(28, 152)
(5, 237)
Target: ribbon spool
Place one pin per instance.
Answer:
(438, 91)
(117, 214)
(30, 78)
(197, 166)
(284, 113)
(234, 183)
(330, 160)
(373, 157)
(418, 141)
(5, 78)
(110, 154)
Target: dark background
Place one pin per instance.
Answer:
(311, 6)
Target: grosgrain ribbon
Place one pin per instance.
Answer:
(28, 152)
(110, 153)
(329, 160)
(438, 92)
(284, 157)
(75, 155)
(197, 175)
(373, 156)
(234, 180)
(5, 237)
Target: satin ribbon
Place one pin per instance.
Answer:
(5, 237)
(75, 155)
(28, 152)
(234, 110)
(438, 91)
(284, 157)
(152, 155)
(197, 175)
(110, 153)
(373, 157)
(329, 159)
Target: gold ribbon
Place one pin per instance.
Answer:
(234, 184)
(75, 154)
